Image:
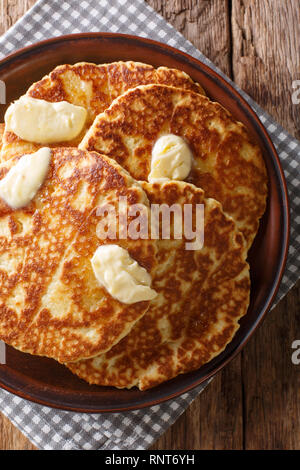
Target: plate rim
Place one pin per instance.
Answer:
(284, 201)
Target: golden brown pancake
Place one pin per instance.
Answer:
(50, 301)
(226, 163)
(94, 87)
(202, 296)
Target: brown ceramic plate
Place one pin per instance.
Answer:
(43, 380)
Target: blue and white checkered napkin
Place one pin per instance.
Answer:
(52, 429)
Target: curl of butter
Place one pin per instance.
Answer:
(21, 183)
(171, 159)
(43, 122)
(122, 276)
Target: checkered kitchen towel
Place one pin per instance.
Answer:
(52, 429)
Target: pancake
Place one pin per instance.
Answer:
(202, 294)
(226, 163)
(93, 87)
(51, 303)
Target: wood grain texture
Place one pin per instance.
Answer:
(205, 23)
(254, 402)
(266, 55)
(265, 61)
(272, 382)
(11, 438)
(11, 11)
(206, 424)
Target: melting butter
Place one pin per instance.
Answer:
(44, 122)
(21, 183)
(171, 159)
(122, 276)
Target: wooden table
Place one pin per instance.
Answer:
(254, 403)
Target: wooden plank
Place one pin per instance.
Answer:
(272, 382)
(11, 11)
(214, 420)
(266, 55)
(266, 59)
(11, 438)
(205, 23)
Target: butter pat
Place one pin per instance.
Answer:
(23, 180)
(122, 276)
(44, 122)
(171, 159)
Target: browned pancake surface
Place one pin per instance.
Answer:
(50, 301)
(94, 87)
(227, 164)
(202, 296)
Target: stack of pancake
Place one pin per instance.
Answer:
(51, 301)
